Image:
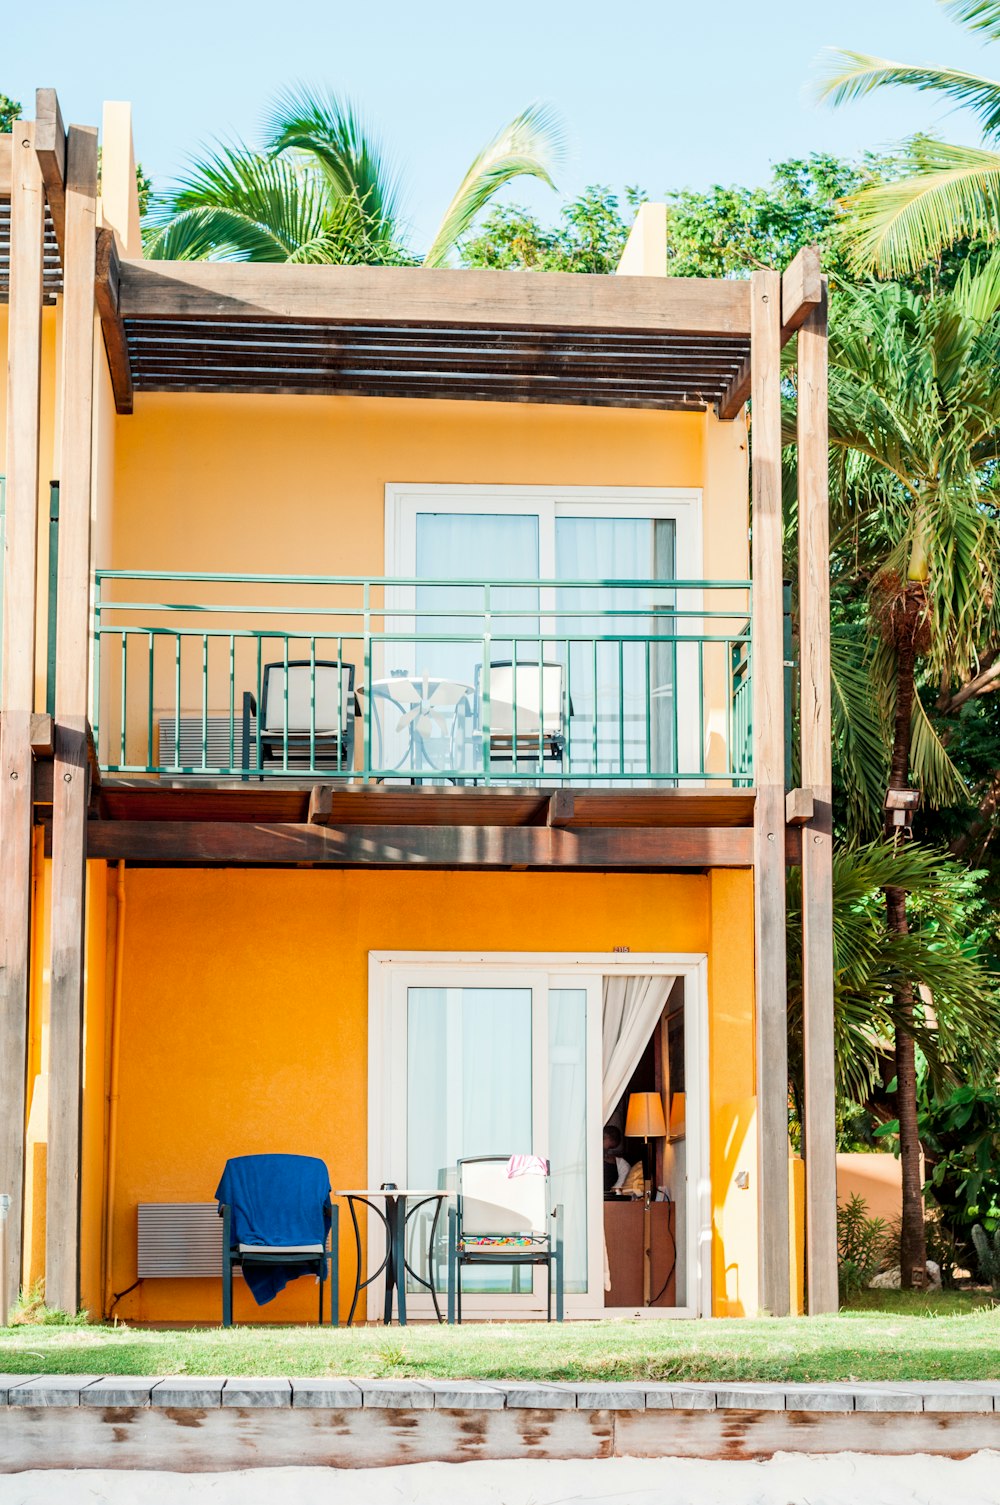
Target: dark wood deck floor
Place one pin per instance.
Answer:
(378, 805)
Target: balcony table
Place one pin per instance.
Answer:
(425, 703)
(400, 1205)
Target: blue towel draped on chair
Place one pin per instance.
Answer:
(276, 1201)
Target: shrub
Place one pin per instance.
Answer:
(863, 1242)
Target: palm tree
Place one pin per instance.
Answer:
(915, 433)
(932, 953)
(952, 192)
(323, 190)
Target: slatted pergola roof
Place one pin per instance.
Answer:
(630, 342)
(51, 258)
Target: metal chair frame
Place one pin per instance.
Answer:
(272, 743)
(325, 1266)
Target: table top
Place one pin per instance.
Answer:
(396, 1191)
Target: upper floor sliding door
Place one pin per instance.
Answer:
(597, 671)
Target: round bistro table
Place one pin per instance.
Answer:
(401, 1204)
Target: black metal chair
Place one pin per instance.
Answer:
(497, 1220)
(308, 726)
(291, 1259)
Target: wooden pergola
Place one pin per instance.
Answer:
(643, 342)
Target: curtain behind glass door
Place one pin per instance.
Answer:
(468, 1092)
(623, 695)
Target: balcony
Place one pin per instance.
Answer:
(527, 682)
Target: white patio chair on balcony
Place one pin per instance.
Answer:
(528, 713)
(314, 721)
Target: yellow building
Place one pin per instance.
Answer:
(387, 651)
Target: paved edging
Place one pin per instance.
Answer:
(210, 1392)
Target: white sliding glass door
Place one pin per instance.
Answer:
(630, 690)
(501, 1063)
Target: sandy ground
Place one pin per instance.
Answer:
(787, 1479)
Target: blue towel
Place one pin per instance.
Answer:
(276, 1200)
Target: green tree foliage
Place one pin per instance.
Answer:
(724, 232)
(10, 110)
(322, 189)
(940, 956)
(718, 232)
(589, 236)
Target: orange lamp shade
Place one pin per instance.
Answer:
(645, 1116)
(677, 1115)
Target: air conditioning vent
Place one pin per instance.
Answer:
(180, 746)
(179, 1240)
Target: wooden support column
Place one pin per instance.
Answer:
(769, 779)
(817, 835)
(71, 774)
(27, 213)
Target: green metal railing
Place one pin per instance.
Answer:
(599, 682)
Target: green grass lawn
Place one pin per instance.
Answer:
(889, 1335)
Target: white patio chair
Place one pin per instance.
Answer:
(499, 1220)
(528, 714)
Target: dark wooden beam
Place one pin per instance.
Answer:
(112, 328)
(417, 295)
(801, 291)
(819, 1063)
(73, 742)
(768, 689)
(50, 149)
(229, 843)
(17, 676)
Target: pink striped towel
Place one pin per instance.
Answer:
(526, 1165)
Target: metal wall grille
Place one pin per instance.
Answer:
(183, 749)
(179, 1240)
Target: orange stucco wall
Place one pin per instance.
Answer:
(244, 1025)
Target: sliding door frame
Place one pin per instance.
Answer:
(390, 971)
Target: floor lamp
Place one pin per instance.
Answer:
(645, 1121)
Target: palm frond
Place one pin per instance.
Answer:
(896, 228)
(978, 15)
(333, 138)
(870, 963)
(236, 205)
(852, 75)
(531, 145)
(858, 735)
(931, 769)
(977, 288)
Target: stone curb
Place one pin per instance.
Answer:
(211, 1392)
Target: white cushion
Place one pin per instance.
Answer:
(281, 1249)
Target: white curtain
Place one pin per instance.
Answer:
(632, 1007)
(629, 692)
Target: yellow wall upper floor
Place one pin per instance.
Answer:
(297, 484)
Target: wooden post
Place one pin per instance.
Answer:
(769, 779)
(70, 777)
(817, 835)
(17, 692)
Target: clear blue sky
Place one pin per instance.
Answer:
(664, 95)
